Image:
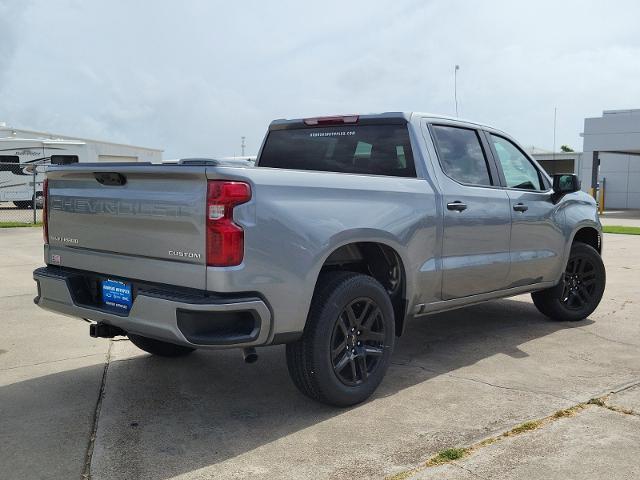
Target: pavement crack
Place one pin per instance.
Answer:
(17, 295)
(635, 383)
(602, 337)
(48, 362)
(86, 471)
(445, 457)
(603, 402)
(489, 384)
(470, 472)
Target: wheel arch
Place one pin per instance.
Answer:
(378, 260)
(589, 235)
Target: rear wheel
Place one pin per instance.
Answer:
(581, 288)
(156, 347)
(348, 340)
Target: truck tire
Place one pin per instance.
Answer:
(348, 340)
(162, 349)
(581, 288)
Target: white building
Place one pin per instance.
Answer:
(24, 154)
(612, 157)
(557, 162)
(87, 150)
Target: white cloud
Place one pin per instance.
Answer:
(193, 76)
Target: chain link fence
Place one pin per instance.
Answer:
(21, 197)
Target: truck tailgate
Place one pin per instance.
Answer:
(143, 222)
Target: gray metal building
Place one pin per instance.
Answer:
(611, 156)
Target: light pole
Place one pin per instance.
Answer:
(455, 86)
(242, 145)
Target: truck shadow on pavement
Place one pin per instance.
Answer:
(165, 417)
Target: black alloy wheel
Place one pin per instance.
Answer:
(357, 341)
(579, 291)
(348, 340)
(579, 282)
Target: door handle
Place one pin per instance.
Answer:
(520, 207)
(457, 206)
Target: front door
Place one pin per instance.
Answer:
(477, 219)
(537, 240)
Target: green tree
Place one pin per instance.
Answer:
(566, 148)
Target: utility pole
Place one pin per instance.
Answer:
(555, 114)
(242, 145)
(455, 86)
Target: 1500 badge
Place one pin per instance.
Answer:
(65, 239)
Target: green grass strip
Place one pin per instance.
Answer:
(19, 224)
(621, 229)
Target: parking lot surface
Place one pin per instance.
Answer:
(72, 405)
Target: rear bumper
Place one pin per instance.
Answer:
(192, 318)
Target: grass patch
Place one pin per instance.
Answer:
(402, 475)
(570, 412)
(621, 229)
(448, 455)
(601, 402)
(19, 224)
(452, 454)
(597, 401)
(525, 427)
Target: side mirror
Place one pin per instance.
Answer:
(565, 183)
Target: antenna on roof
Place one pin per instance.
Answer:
(455, 86)
(555, 112)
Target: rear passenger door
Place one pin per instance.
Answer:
(537, 241)
(477, 219)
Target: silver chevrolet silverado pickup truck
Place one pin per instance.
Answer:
(346, 228)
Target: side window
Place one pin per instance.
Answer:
(519, 172)
(63, 159)
(10, 163)
(461, 155)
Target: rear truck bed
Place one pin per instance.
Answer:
(129, 246)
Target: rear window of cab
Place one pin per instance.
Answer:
(360, 149)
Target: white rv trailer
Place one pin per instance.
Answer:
(24, 155)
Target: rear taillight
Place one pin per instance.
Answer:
(45, 211)
(225, 239)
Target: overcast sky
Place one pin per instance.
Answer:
(192, 77)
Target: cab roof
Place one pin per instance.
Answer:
(368, 119)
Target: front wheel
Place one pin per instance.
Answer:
(156, 347)
(347, 342)
(580, 290)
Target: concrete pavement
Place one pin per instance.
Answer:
(626, 218)
(50, 373)
(456, 378)
(595, 443)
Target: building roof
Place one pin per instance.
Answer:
(556, 155)
(48, 136)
